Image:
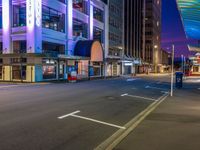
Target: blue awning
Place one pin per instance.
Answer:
(89, 48)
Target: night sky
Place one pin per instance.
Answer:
(172, 29)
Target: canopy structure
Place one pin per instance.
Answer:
(89, 48)
(190, 14)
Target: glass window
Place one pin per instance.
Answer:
(19, 47)
(19, 72)
(98, 14)
(49, 72)
(0, 17)
(1, 72)
(80, 28)
(19, 15)
(80, 5)
(52, 19)
(98, 34)
(53, 48)
(63, 1)
(1, 47)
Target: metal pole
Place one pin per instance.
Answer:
(172, 72)
(182, 63)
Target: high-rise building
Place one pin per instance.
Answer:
(113, 60)
(48, 39)
(152, 35)
(133, 35)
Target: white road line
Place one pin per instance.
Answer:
(118, 136)
(73, 114)
(97, 121)
(124, 94)
(151, 87)
(140, 97)
(70, 114)
(130, 80)
(7, 86)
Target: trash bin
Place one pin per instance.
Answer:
(179, 79)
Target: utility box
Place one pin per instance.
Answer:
(179, 80)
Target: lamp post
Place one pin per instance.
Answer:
(172, 72)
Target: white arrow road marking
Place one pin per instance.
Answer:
(73, 114)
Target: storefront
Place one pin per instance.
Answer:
(92, 51)
(195, 62)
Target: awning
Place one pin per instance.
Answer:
(190, 15)
(194, 48)
(89, 48)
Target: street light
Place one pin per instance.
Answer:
(156, 58)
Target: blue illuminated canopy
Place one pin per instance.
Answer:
(190, 14)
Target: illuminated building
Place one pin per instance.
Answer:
(152, 53)
(39, 39)
(133, 36)
(190, 14)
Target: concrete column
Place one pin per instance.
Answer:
(7, 25)
(69, 27)
(106, 31)
(34, 26)
(91, 20)
(65, 71)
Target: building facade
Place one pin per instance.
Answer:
(152, 51)
(47, 39)
(133, 36)
(113, 61)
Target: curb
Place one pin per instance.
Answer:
(119, 135)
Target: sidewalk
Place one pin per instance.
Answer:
(174, 125)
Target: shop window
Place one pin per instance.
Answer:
(19, 15)
(1, 48)
(1, 72)
(80, 28)
(19, 72)
(49, 72)
(53, 19)
(19, 47)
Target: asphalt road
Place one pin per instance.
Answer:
(90, 112)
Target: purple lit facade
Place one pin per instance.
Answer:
(39, 43)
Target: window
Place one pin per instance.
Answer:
(19, 15)
(0, 17)
(98, 14)
(19, 47)
(49, 72)
(53, 48)
(1, 47)
(80, 5)
(19, 72)
(80, 28)
(98, 34)
(52, 19)
(1, 72)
